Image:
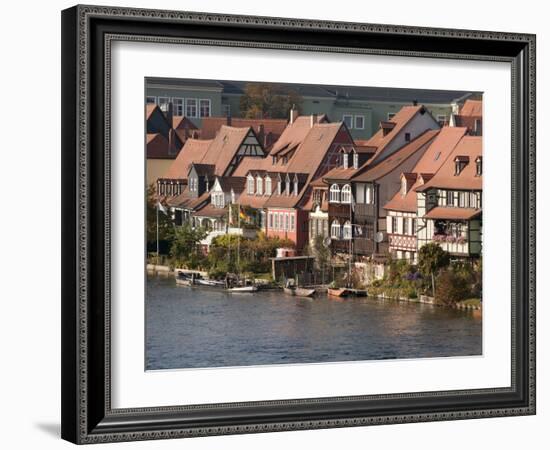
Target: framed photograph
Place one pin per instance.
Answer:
(281, 224)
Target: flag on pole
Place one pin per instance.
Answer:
(161, 207)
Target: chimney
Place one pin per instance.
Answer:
(170, 114)
(313, 120)
(261, 134)
(293, 114)
(415, 102)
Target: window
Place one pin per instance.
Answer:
(295, 186)
(276, 221)
(267, 186)
(335, 230)
(460, 163)
(279, 186)
(205, 107)
(218, 200)
(292, 222)
(450, 198)
(403, 187)
(405, 225)
(442, 119)
(178, 106)
(151, 100)
(281, 220)
(348, 120)
(393, 224)
(479, 167)
(287, 185)
(346, 194)
(191, 107)
(413, 226)
(335, 193)
(345, 160)
(270, 218)
(226, 110)
(359, 122)
(285, 218)
(259, 186)
(463, 199)
(369, 197)
(347, 230)
(250, 185)
(163, 103)
(407, 137)
(391, 116)
(437, 156)
(355, 160)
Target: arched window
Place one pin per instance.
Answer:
(345, 160)
(250, 185)
(295, 185)
(346, 194)
(347, 230)
(287, 185)
(335, 193)
(267, 185)
(259, 186)
(335, 230)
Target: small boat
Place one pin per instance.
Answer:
(338, 292)
(243, 289)
(299, 292)
(180, 281)
(358, 292)
(212, 283)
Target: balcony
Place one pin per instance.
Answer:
(365, 213)
(402, 242)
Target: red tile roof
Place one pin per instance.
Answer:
(272, 128)
(401, 118)
(435, 156)
(445, 178)
(472, 108)
(182, 123)
(209, 210)
(158, 147)
(373, 172)
(444, 212)
(192, 151)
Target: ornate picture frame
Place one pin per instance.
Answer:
(87, 35)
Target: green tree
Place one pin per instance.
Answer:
(268, 101)
(185, 247)
(451, 287)
(165, 223)
(431, 259)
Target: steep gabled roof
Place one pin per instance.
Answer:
(193, 151)
(272, 128)
(472, 108)
(445, 178)
(372, 173)
(224, 147)
(158, 147)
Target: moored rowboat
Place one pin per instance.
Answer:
(243, 289)
(338, 292)
(299, 292)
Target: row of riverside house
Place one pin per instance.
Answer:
(411, 183)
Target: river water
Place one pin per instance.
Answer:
(201, 327)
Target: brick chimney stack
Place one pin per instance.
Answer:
(293, 114)
(313, 120)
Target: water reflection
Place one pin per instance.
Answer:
(191, 328)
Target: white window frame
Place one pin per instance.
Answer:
(345, 194)
(334, 193)
(345, 160)
(275, 221)
(281, 220)
(355, 160)
(362, 117)
(187, 106)
(350, 116)
(335, 230)
(250, 185)
(287, 185)
(270, 220)
(267, 185)
(161, 102)
(209, 107)
(442, 118)
(259, 186)
(347, 231)
(149, 97)
(369, 194)
(295, 186)
(286, 222)
(292, 222)
(176, 103)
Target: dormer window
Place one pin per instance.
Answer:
(250, 185)
(355, 160)
(295, 185)
(259, 186)
(460, 163)
(403, 187)
(479, 166)
(407, 137)
(287, 185)
(345, 160)
(335, 193)
(279, 185)
(274, 159)
(267, 185)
